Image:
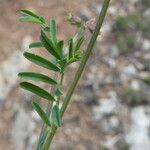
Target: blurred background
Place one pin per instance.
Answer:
(110, 109)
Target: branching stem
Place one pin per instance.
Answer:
(79, 71)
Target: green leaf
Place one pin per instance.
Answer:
(60, 46)
(63, 63)
(41, 61)
(30, 19)
(78, 35)
(41, 113)
(37, 90)
(72, 60)
(53, 31)
(78, 54)
(58, 92)
(79, 43)
(37, 77)
(49, 45)
(29, 13)
(42, 140)
(55, 118)
(70, 44)
(36, 45)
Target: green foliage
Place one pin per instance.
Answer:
(50, 42)
(70, 43)
(42, 140)
(41, 61)
(147, 80)
(37, 90)
(128, 23)
(52, 49)
(37, 77)
(41, 113)
(53, 31)
(55, 118)
(134, 97)
(125, 29)
(127, 43)
(146, 3)
(146, 65)
(32, 17)
(36, 45)
(72, 55)
(58, 92)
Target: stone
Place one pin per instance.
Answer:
(98, 8)
(134, 1)
(129, 70)
(116, 143)
(27, 40)
(106, 107)
(110, 125)
(138, 134)
(146, 13)
(135, 85)
(22, 129)
(112, 10)
(106, 28)
(114, 51)
(111, 62)
(146, 45)
(8, 73)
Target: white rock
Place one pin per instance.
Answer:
(106, 28)
(35, 116)
(98, 8)
(111, 62)
(111, 141)
(135, 85)
(23, 128)
(8, 73)
(112, 10)
(110, 125)
(27, 40)
(134, 1)
(130, 70)
(146, 13)
(138, 135)
(106, 107)
(146, 45)
(147, 56)
(114, 51)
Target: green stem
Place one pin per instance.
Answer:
(48, 111)
(52, 130)
(80, 70)
(61, 84)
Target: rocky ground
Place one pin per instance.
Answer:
(110, 109)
